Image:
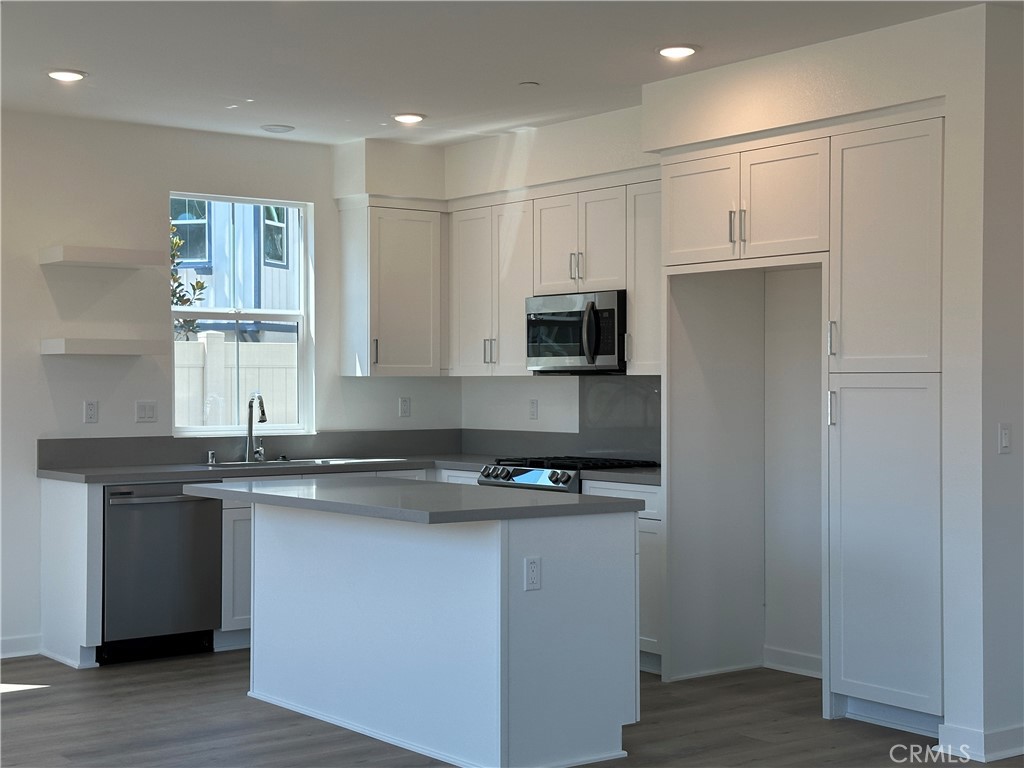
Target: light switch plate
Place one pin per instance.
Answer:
(145, 411)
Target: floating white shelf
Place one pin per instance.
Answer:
(117, 258)
(65, 346)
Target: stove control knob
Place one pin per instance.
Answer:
(505, 473)
(485, 471)
(564, 477)
(553, 476)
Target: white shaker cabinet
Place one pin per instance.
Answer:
(391, 297)
(490, 277)
(460, 476)
(652, 556)
(579, 242)
(236, 567)
(764, 202)
(885, 574)
(644, 289)
(885, 265)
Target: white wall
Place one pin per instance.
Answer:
(574, 149)
(503, 402)
(879, 70)
(792, 470)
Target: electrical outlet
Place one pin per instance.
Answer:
(145, 411)
(90, 411)
(1003, 434)
(405, 406)
(531, 573)
(534, 409)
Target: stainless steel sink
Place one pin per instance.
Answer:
(301, 462)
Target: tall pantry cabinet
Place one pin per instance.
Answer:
(862, 342)
(883, 412)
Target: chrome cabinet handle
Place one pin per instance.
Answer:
(830, 337)
(485, 351)
(376, 351)
(830, 413)
(580, 263)
(629, 347)
(494, 354)
(732, 226)
(572, 266)
(743, 225)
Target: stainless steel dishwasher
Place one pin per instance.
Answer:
(161, 572)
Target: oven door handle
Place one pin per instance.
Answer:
(589, 332)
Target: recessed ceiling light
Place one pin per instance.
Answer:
(677, 52)
(276, 128)
(408, 118)
(67, 75)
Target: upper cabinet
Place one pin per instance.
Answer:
(765, 202)
(644, 290)
(885, 268)
(579, 242)
(490, 277)
(391, 276)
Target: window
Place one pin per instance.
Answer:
(241, 314)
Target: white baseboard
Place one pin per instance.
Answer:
(891, 717)
(20, 645)
(980, 745)
(650, 662)
(231, 640)
(709, 672)
(798, 663)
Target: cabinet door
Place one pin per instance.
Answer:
(651, 541)
(236, 566)
(555, 239)
(651, 556)
(406, 474)
(470, 284)
(886, 256)
(884, 540)
(601, 255)
(784, 195)
(405, 292)
(700, 207)
(458, 476)
(512, 276)
(644, 288)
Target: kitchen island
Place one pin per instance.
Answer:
(481, 626)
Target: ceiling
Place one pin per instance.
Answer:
(337, 71)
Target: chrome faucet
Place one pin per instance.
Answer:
(256, 453)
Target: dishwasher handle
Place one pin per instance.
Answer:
(151, 499)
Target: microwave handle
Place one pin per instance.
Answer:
(588, 340)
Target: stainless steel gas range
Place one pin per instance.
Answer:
(550, 473)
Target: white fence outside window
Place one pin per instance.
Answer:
(205, 371)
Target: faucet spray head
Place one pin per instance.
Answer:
(263, 411)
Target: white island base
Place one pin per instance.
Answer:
(424, 636)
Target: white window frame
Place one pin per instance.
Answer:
(303, 317)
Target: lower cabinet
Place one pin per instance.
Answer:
(885, 580)
(236, 564)
(462, 476)
(651, 538)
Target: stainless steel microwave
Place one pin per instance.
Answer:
(576, 333)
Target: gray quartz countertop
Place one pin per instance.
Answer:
(414, 501)
(149, 473)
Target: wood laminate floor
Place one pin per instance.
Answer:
(193, 712)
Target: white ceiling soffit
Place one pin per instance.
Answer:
(338, 71)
